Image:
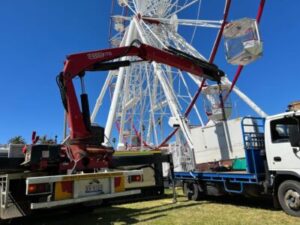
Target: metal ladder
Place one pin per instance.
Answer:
(4, 187)
(253, 134)
(181, 157)
(9, 207)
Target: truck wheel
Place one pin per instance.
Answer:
(191, 191)
(289, 197)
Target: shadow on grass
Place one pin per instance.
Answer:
(103, 215)
(124, 215)
(261, 202)
(257, 203)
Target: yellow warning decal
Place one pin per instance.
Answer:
(63, 190)
(119, 184)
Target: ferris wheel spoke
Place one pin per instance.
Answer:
(200, 23)
(190, 98)
(186, 22)
(124, 101)
(170, 88)
(171, 7)
(101, 95)
(183, 45)
(120, 18)
(183, 7)
(152, 110)
(154, 35)
(176, 113)
(246, 99)
(130, 7)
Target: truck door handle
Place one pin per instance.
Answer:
(277, 159)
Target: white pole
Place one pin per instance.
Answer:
(119, 83)
(242, 96)
(125, 99)
(190, 97)
(101, 96)
(152, 118)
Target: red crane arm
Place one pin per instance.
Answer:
(77, 64)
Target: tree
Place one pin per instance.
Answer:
(17, 140)
(44, 140)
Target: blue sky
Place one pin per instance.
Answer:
(36, 35)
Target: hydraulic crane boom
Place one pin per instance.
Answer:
(84, 149)
(77, 64)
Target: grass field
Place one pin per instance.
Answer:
(162, 211)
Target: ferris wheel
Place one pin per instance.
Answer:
(153, 103)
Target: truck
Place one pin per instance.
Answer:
(82, 170)
(250, 156)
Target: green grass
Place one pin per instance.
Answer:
(162, 211)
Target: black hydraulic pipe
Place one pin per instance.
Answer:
(210, 70)
(85, 111)
(110, 65)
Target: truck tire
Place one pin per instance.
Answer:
(191, 191)
(185, 188)
(289, 197)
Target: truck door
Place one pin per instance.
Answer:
(280, 154)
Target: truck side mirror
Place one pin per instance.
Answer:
(294, 136)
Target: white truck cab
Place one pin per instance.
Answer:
(281, 155)
(282, 146)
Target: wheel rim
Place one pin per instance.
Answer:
(292, 199)
(190, 189)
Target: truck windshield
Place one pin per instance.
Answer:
(280, 129)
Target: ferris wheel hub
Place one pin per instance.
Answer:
(174, 22)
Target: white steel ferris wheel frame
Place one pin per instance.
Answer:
(140, 27)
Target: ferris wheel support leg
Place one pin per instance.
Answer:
(101, 96)
(124, 109)
(180, 120)
(114, 102)
(191, 98)
(152, 118)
